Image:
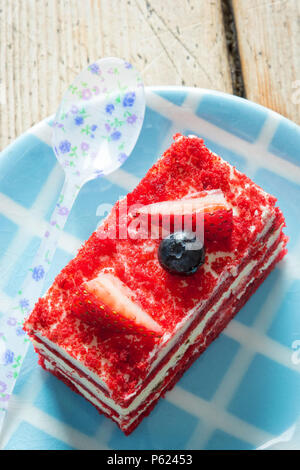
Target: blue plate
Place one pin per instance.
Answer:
(243, 392)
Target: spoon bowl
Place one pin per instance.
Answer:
(99, 119)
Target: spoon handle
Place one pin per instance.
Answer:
(13, 341)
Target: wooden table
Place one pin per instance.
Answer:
(246, 47)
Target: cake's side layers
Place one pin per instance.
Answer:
(193, 352)
(223, 315)
(247, 270)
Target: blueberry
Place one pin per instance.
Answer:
(181, 253)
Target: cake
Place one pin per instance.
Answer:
(138, 304)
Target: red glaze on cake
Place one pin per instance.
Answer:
(124, 371)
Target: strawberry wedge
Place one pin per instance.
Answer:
(108, 303)
(207, 208)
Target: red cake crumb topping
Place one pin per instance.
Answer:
(219, 264)
(121, 358)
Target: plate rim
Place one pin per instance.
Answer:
(177, 88)
(223, 94)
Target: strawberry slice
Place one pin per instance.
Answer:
(218, 225)
(208, 208)
(107, 302)
(205, 201)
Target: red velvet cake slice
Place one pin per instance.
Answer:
(132, 311)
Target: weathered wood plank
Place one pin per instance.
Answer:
(44, 44)
(269, 44)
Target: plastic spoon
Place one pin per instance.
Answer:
(95, 129)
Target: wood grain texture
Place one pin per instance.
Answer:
(269, 44)
(45, 43)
